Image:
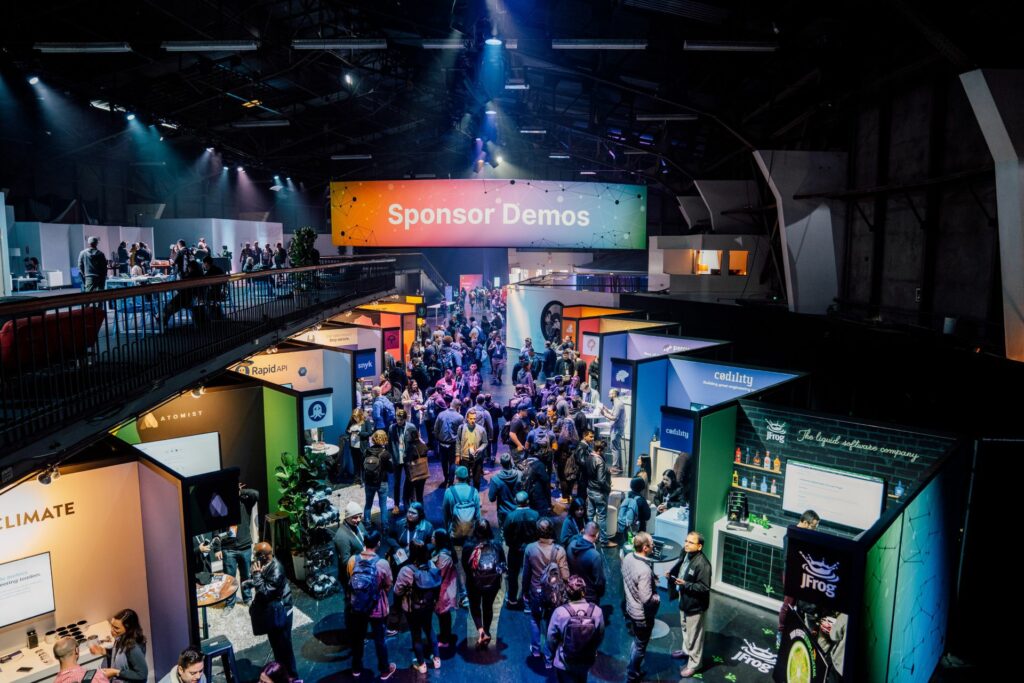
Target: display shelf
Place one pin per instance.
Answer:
(756, 468)
(757, 491)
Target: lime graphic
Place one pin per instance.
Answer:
(798, 666)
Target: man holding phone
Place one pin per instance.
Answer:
(66, 652)
(690, 578)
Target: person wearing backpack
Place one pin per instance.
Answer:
(587, 561)
(502, 489)
(483, 563)
(545, 571)
(369, 580)
(519, 530)
(417, 588)
(575, 632)
(444, 560)
(377, 465)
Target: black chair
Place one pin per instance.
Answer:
(219, 646)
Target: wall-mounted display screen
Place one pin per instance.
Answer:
(853, 500)
(489, 213)
(26, 589)
(187, 455)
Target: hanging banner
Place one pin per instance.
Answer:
(489, 213)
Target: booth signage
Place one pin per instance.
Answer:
(652, 346)
(253, 370)
(710, 384)
(850, 445)
(775, 431)
(391, 340)
(13, 520)
(622, 375)
(590, 344)
(814, 572)
(318, 411)
(760, 658)
(489, 213)
(677, 432)
(366, 363)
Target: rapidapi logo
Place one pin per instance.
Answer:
(776, 431)
(317, 411)
(761, 658)
(819, 575)
(257, 371)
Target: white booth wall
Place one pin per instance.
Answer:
(218, 232)
(57, 245)
(524, 306)
(97, 552)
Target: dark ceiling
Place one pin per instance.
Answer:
(417, 111)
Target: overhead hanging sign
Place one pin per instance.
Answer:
(489, 213)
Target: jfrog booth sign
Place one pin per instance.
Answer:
(489, 213)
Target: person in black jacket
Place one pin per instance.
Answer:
(587, 561)
(402, 439)
(271, 609)
(691, 577)
(599, 485)
(519, 531)
(236, 547)
(670, 493)
(483, 564)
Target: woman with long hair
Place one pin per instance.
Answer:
(416, 592)
(670, 493)
(358, 431)
(444, 560)
(126, 659)
(484, 563)
(377, 468)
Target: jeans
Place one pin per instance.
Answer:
(281, 645)
(238, 561)
(538, 628)
(396, 486)
(563, 676)
(481, 605)
(357, 624)
(382, 492)
(421, 628)
(641, 637)
(616, 458)
(94, 283)
(597, 512)
(447, 455)
(515, 570)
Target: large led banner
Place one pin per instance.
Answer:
(488, 213)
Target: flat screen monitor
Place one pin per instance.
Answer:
(844, 498)
(213, 502)
(186, 455)
(26, 589)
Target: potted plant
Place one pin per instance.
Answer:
(302, 252)
(295, 477)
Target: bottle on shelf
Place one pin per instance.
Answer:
(746, 460)
(764, 484)
(743, 481)
(738, 455)
(753, 482)
(757, 458)
(735, 478)
(774, 490)
(778, 464)
(767, 460)
(898, 491)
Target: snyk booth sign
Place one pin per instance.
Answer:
(366, 364)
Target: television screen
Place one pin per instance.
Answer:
(213, 502)
(26, 589)
(186, 455)
(852, 500)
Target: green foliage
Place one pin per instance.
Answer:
(302, 252)
(295, 476)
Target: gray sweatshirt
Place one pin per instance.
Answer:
(639, 587)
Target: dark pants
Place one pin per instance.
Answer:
(564, 676)
(447, 455)
(476, 470)
(641, 637)
(515, 570)
(581, 484)
(357, 623)
(357, 463)
(94, 283)
(444, 622)
(281, 645)
(414, 491)
(238, 561)
(401, 497)
(421, 628)
(481, 606)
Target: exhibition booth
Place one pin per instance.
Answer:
(579, 319)
(883, 558)
(366, 344)
(57, 245)
(620, 350)
(537, 311)
(219, 233)
(113, 531)
(396, 322)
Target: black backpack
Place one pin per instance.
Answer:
(579, 640)
(365, 585)
(506, 434)
(487, 566)
(552, 587)
(373, 467)
(426, 588)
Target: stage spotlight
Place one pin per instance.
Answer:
(493, 40)
(33, 80)
(209, 149)
(348, 79)
(49, 475)
(240, 169)
(130, 116)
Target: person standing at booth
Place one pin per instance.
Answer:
(92, 264)
(640, 587)
(236, 547)
(691, 578)
(617, 417)
(271, 608)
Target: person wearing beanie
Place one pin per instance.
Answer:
(519, 530)
(348, 541)
(586, 621)
(502, 489)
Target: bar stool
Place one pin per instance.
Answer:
(219, 646)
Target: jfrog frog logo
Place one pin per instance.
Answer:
(762, 659)
(776, 431)
(819, 575)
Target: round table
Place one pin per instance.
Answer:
(666, 551)
(329, 449)
(207, 598)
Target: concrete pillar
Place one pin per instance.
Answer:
(810, 228)
(997, 98)
(729, 195)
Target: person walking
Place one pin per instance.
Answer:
(92, 264)
(271, 608)
(599, 485)
(377, 465)
(483, 563)
(444, 560)
(641, 596)
(446, 431)
(369, 580)
(586, 560)
(519, 530)
(575, 632)
(545, 571)
(417, 589)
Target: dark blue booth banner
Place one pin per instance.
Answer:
(366, 363)
(622, 375)
(677, 432)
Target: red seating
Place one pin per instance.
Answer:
(39, 341)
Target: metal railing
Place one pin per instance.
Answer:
(621, 284)
(67, 357)
(403, 261)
